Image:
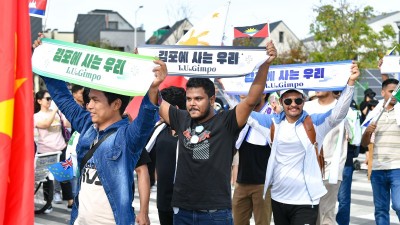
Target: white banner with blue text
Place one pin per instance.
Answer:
(328, 76)
(207, 61)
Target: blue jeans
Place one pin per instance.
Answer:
(385, 183)
(192, 217)
(344, 197)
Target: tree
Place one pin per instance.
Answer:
(296, 54)
(342, 33)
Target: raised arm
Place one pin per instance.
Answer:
(74, 113)
(140, 129)
(326, 121)
(62, 97)
(244, 108)
(46, 123)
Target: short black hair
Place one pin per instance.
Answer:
(111, 97)
(389, 81)
(75, 88)
(175, 96)
(204, 83)
(85, 95)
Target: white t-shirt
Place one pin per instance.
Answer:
(288, 184)
(94, 207)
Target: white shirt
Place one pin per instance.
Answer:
(288, 184)
(94, 207)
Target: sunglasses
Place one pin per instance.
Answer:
(48, 98)
(298, 101)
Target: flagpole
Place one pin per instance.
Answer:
(226, 18)
(45, 16)
(387, 103)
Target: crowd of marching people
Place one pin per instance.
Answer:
(285, 157)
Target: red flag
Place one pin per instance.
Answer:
(16, 115)
(133, 108)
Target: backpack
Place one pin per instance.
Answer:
(309, 127)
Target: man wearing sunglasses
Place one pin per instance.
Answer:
(293, 173)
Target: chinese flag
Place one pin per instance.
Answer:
(16, 115)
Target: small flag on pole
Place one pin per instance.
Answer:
(391, 51)
(63, 170)
(259, 30)
(397, 95)
(37, 8)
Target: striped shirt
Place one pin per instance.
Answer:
(387, 143)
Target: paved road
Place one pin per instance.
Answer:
(362, 210)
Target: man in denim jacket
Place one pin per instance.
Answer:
(104, 191)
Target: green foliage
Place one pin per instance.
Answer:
(248, 42)
(343, 34)
(296, 54)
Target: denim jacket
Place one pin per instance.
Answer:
(116, 157)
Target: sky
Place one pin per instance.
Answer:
(296, 14)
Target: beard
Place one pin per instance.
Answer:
(202, 117)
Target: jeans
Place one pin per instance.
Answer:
(385, 183)
(196, 217)
(344, 197)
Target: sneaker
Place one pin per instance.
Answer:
(48, 210)
(69, 208)
(57, 198)
(153, 188)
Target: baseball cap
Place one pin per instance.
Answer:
(297, 90)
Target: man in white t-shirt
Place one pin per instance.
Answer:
(293, 173)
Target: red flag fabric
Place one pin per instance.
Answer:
(133, 107)
(16, 115)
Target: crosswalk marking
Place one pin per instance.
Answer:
(362, 207)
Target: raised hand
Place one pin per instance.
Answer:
(271, 51)
(160, 73)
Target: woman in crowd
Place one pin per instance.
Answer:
(47, 123)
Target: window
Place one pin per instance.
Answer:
(113, 25)
(280, 36)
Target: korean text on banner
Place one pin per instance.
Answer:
(117, 72)
(312, 76)
(207, 61)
